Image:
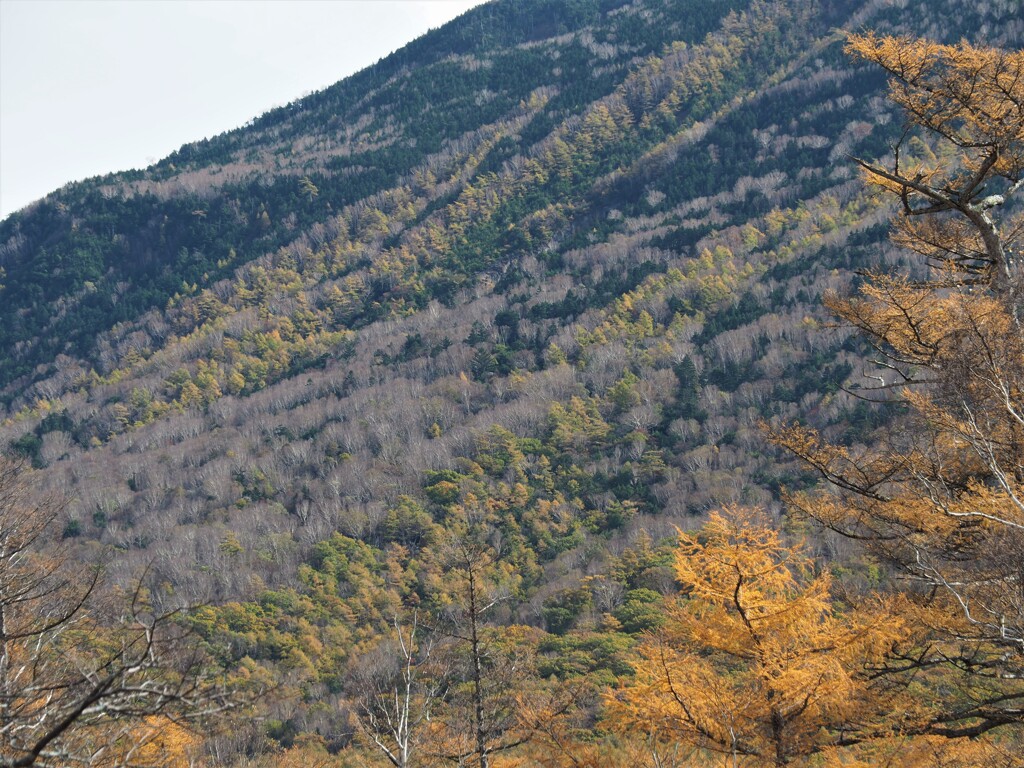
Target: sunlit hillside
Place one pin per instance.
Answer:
(495, 317)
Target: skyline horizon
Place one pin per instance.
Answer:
(79, 112)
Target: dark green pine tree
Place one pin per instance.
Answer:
(686, 406)
(484, 364)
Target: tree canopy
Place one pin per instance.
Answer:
(941, 496)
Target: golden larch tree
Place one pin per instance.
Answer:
(755, 663)
(940, 496)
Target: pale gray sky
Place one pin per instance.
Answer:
(93, 86)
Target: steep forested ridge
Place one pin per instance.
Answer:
(533, 283)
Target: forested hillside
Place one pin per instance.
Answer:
(404, 392)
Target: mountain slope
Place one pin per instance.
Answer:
(653, 254)
(557, 264)
(145, 233)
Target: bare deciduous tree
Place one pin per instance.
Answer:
(87, 675)
(395, 686)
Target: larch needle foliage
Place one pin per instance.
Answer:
(756, 664)
(969, 102)
(941, 497)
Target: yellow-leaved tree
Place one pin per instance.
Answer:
(756, 664)
(940, 496)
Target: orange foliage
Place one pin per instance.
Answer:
(941, 497)
(757, 663)
(971, 100)
(154, 742)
